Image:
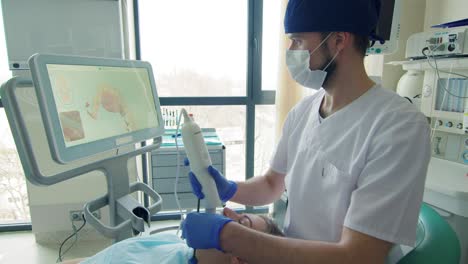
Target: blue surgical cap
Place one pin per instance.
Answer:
(355, 16)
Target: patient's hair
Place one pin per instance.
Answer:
(272, 227)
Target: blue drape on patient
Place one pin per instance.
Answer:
(164, 248)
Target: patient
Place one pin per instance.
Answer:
(168, 248)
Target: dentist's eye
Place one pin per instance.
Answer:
(297, 41)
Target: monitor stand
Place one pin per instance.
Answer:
(127, 215)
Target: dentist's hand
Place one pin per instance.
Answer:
(226, 189)
(202, 231)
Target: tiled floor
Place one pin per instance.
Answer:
(21, 247)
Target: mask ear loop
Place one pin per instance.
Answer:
(333, 59)
(321, 43)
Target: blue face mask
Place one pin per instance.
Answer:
(298, 62)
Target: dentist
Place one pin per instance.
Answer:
(352, 157)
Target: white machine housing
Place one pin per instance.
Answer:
(447, 176)
(446, 42)
(445, 121)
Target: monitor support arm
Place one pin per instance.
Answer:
(127, 216)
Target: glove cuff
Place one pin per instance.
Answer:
(194, 259)
(230, 193)
(218, 235)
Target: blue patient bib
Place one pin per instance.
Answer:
(164, 248)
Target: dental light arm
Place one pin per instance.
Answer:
(199, 157)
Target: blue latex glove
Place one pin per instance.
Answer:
(202, 231)
(193, 260)
(226, 189)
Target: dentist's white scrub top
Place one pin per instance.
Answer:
(363, 167)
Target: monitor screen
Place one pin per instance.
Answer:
(451, 95)
(384, 26)
(93, 105)
(96, 102)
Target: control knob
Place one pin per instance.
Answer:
(465, 156)
(451, 47)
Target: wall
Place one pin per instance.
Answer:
(86, 28)
(51, 205)
(441, 11)
(412, 21)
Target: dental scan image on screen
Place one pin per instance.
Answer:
(96, 102)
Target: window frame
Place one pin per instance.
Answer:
(255, 96)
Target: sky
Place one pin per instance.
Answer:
(209, 36)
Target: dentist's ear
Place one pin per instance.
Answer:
(341, 40)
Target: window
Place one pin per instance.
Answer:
(14, 207)
(272, 23)
(264, 137)
(229, 122)
(207, 55)
(196, 48)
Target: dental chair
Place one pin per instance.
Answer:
(436, 241)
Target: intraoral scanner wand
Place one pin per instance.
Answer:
(200, 160)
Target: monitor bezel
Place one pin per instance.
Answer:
(50, 116)
(391, 45)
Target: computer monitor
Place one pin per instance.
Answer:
(388, 28)
(92, 105)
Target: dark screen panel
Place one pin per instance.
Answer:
(384, 27)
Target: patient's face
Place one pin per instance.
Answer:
(216, 256)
